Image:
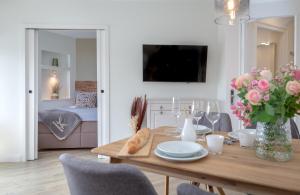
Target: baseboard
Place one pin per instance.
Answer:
(11, 158)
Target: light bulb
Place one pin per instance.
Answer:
(231, 12)
(232, 15)
(230, 5)
(53, 81)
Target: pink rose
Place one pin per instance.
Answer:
(293, 88)
(284, 69)
(297, 74)
(254, 83)
(233, 84)
(239, 103)
(239, 114)
(254, 70)
(249, 107)
(233, 107)
(267, 97)
(247, 123)
(243, 80)
(253, 96)
(263, 85)
(266, 74)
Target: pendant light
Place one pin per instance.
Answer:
(231, 12)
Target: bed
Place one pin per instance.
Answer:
(85, 134)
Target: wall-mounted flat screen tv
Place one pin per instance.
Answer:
(174, 63)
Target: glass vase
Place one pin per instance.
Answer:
(274, 140)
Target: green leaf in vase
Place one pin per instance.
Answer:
(269, 110)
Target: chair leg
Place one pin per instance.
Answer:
(210, 189)
(166, 185)
(195, 183)
(221, 191)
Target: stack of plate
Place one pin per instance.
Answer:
(182, 151)
(235, 134)
(202, 130)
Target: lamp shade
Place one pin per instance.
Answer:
(231, 12)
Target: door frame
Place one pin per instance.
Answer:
(31, 74)
(243, 44)
(243, 39)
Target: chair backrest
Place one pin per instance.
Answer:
(188, 189)
(223, 124)
(89, 177)
(294, 129)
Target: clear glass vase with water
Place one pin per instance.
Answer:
(274, 140)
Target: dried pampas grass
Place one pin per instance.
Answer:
(138, 110)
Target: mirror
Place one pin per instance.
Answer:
(269, 43)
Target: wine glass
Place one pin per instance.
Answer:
(213, 112)
(197, 111)
(176, 111)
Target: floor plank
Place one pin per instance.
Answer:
(45, 176)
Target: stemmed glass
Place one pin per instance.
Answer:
(197, 111)
(176, 111)
(213, 112)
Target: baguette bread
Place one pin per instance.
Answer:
(138, 140)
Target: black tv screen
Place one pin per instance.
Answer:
(174, 63)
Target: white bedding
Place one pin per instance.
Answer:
(86, 114)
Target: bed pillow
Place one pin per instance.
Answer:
(86, 99)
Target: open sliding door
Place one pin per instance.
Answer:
(32, 97)
(31, 94)
(103, 87)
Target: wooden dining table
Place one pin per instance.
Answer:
(236, 168)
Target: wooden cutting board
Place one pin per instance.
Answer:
(143, 152)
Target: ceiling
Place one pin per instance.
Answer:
(76, 34)
(278, 22)
(266, 1)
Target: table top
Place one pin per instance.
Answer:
(236, 164)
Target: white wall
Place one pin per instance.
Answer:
(250, 46)
(66, 46)
(86, 59)
(229, 45)
(286, 45)
(131, 23)
(267, 56)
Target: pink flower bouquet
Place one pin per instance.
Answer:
(269, 102)
(264, 98)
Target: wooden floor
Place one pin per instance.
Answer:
(45, 176)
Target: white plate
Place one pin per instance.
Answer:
(203, 153)
(200, 131)
(235, 134)
(179, 149)
(203, 132)
(200, 127)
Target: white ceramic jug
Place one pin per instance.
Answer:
(188, 132)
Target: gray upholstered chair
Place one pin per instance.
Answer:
(88, 177)
(294, 129)
(188, 189)
(223, 124)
